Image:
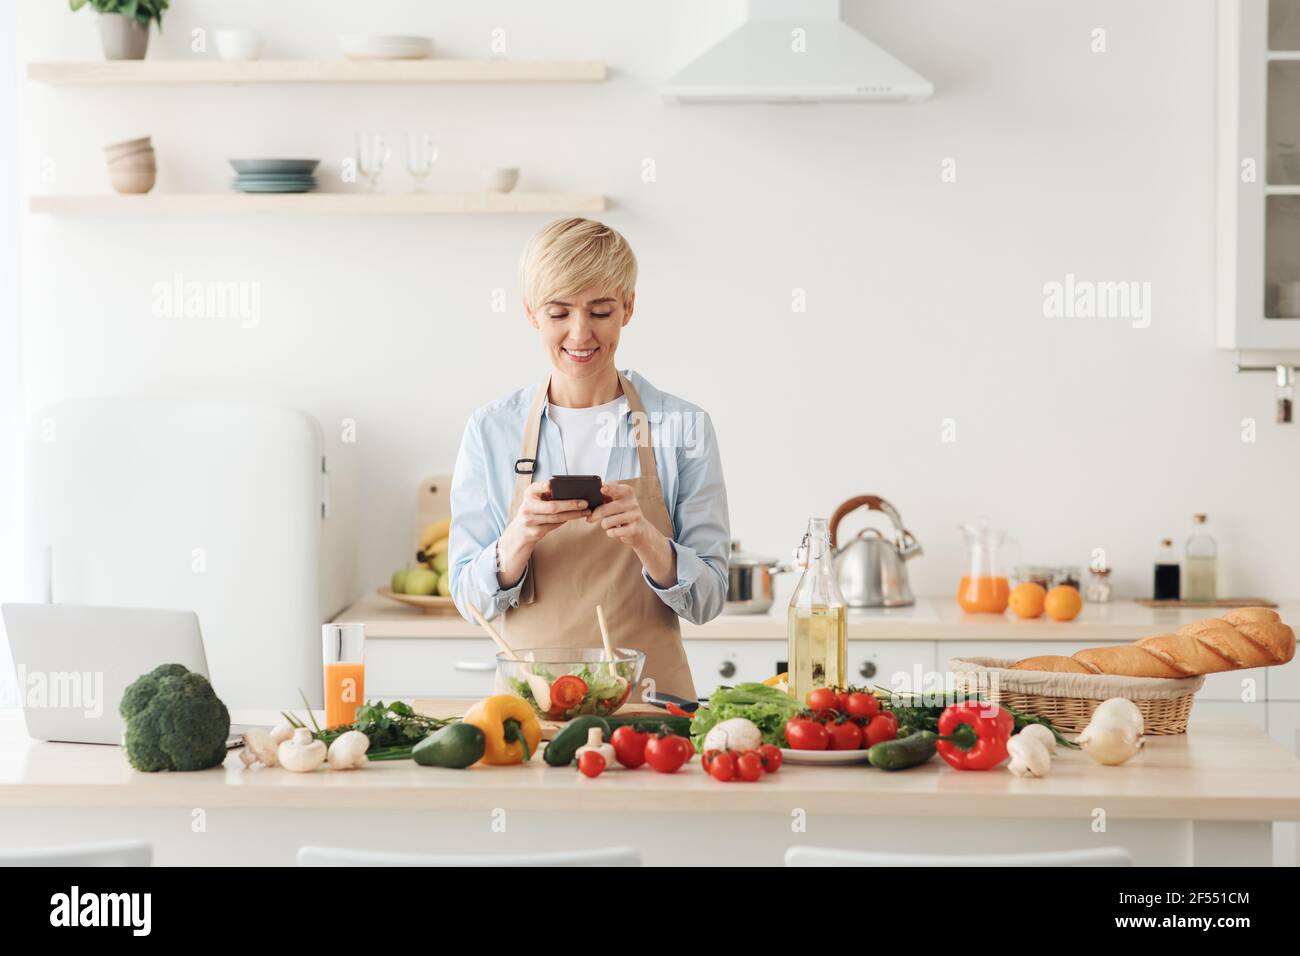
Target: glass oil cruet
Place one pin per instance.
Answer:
(984, 588)
(818, 620)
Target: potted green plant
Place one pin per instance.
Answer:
(124, 25)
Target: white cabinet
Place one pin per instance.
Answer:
(1258, 177)
(732, 662)
(408, 667)
(897, 665)
(1284, 727)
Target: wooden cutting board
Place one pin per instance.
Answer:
(1221, 602)
(454, 707)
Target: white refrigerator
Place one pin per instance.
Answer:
(237, 511)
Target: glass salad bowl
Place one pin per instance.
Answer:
(566, 682)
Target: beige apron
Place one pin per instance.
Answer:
(578, 566)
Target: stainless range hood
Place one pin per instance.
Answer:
(795, 51)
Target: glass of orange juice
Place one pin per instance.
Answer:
(345, 671)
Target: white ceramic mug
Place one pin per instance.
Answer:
(500, 179)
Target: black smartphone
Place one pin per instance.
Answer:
(575, 487)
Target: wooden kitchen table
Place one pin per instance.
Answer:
(1209, 797)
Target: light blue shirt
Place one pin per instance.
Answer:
(690, 473)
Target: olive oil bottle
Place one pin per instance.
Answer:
(818, 619)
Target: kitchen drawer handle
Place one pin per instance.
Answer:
(475, 666)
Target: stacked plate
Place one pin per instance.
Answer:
(274, 175)
(372, 46)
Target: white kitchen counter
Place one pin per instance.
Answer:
(930, 619)
(1207, 797)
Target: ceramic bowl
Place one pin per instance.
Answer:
(132, 180)
(500, 179)
(117, 150)
(238, 44)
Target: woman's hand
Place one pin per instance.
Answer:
(623, 520)
(537, 517)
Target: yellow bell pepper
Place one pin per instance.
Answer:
(510, 728)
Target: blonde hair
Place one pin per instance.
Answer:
(569, 255)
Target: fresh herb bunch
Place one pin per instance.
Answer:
(144, 11)
(914, 714)
(394, 729)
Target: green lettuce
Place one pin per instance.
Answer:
(767, 707)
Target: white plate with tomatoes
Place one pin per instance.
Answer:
(824, 758)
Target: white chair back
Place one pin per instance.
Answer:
(824, 856)
(117, 853)
(339, 856)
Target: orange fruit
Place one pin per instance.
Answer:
(1027, 599)
(1063, 603)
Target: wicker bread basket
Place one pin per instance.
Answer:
(1068, 700)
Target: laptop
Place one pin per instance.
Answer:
(74, 663)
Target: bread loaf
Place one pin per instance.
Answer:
(1246, 637)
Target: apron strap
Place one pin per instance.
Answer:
(640, 429)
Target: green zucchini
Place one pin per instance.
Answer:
(910, 751)
(564, 745)
(456, 746)
(681, 726)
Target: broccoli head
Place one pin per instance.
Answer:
(174, 721)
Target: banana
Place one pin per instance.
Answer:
(433, 531)
(441, 546)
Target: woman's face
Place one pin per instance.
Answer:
(580, 332)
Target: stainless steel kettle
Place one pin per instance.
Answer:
(871, 568)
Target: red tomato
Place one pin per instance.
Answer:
(823, 698)
(772, 758)
(804, 734)
(845, 736)
(841, 700)
(667, 754)
(749, 766)
(591, 764)
(567, 692)
(723, 765)
(629, 746)
(883, 726)
(861, 705)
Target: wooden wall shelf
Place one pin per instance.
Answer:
(315, 204)
(213, 71)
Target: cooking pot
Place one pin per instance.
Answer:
(749, 581)
(870, 568)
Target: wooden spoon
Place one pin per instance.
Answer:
(609, 649)
(536, 682)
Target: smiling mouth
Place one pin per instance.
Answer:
(579, 355)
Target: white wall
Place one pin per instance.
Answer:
(924, 298)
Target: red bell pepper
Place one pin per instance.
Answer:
(973, 735)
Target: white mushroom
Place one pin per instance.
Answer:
(280, 732)
(738, 733)
(1110, 742)
(1121, 709)
(348, 752)
(1029, 755)
(258, 748)
(595, 743)
(301, 753)
(1039, 732)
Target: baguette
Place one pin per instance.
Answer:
(1246, 637)
(1053, 663)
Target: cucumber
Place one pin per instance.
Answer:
(910, 751)
(455, 746)
(564, 745)
(681, 726)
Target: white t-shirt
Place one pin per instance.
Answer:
(586, 435)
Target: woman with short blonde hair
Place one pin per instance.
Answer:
(654, 548)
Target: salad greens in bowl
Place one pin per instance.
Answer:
(566, 682)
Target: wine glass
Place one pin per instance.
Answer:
(421, 154)
(373, 153)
